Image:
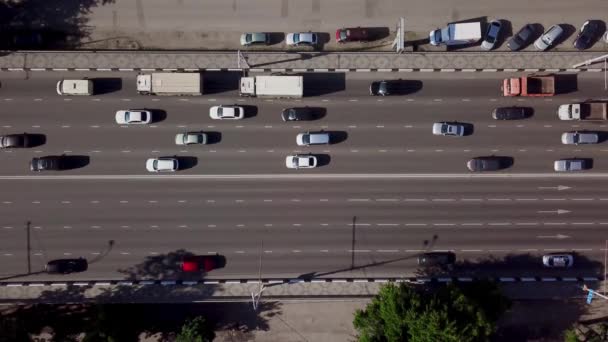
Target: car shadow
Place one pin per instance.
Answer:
(322, 159)
(588, 162)
(469, 128)
(276, 37)
(221, 81)
(528, 112)
(600, 32)
(105, 85)
(323, 83)
(378, 33)
(213, 137)
(505, 161)
(74, 162)
(506, 31)
(336, 137)
(158, 115)
(250, 111)
(36, 139)
(322, 38)
(569, 31)
(538, 31)
(566, 83)
(186, 162)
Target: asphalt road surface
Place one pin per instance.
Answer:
(354, 219)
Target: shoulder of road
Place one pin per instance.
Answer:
(298, 62)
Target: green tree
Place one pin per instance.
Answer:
(448, 313)
(196, 330)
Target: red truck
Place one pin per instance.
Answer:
(530, 85)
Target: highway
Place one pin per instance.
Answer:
(323, 227)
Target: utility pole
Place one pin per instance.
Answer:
(29, 262)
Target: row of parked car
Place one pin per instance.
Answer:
(343, 35)
(447, 260)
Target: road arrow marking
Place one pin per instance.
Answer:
(558, 211)
(558, 236)
(558, 188)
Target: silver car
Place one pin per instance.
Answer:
(191, 138)
(255, 38)
(572, 164)
(548, 38)
(446, 128)
(576, 138)
(558, 260)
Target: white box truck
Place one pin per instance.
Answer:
(456, 34)
(273, 86)
(170, 83)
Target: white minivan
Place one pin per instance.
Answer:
(75, 87)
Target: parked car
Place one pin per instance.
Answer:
(490, 163)
(65, 266)
(227, 112)
(312, 138)
(558, 260)
(491, 35)
(191, 138)
(301, 38)
(301, 161)
(511, 113)
(578, 138)
(571, 164)
(297, 114)
(162, 164)
(521, 38)
(15, 140)
(440, 259)
(198, 263)
(133, 117)
(47, 163)
(355, 34)
(587, 34)
(448, 128)
(255, 38)
(548, 38)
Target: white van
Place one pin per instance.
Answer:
(75, 87)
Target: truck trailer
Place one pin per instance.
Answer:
(456, 34)
(170, 83)
(272, 86)
(530, 85)
(587, 111)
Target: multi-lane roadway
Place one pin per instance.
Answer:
(389, 190)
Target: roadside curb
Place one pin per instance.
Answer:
(283, 281)
(296, 70)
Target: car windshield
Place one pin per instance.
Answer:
(248, 38)
(296, 37)
(493, 33)
(306, 139)
(343, 34)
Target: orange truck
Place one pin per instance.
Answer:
(530, 85)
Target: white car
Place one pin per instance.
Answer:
(446, 128)
(191, 138)
(133, 117)
(301, 38)
(301, 161)
(580, 138)
(227, 112)
(162, 164)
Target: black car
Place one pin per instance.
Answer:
(589, 32)
(47, 163)
(522, 38)
(381, 88)
(297, 114)
(441, 259)
(15, 140)
(65, 266)
(511, 113)
(490, 163)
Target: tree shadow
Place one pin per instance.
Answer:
(37, 24)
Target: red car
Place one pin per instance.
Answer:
(198, 263)
(355, 34)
